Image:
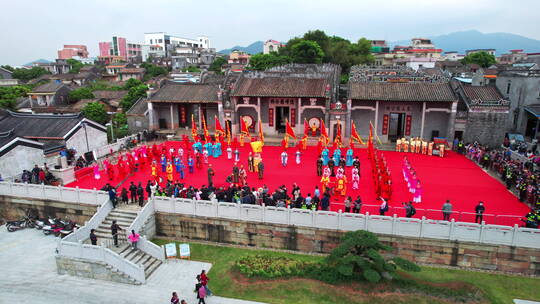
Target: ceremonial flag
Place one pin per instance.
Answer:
(355, 135)
(261, 135)
(370, 139)
(306, 128)
(288, 130)
(324, 134)
(243, 127)
(219, 128)
(206, 135)
(228, 126)
(193, 128)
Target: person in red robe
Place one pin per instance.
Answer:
(284, 144)
(319, 147)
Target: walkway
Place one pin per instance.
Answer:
(29, 276)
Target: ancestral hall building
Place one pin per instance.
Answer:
(398, 101)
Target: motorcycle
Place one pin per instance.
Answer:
(68, 229)
(40, 223)
(21, 224)
(54, 227)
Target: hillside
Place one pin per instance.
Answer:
(254, 48)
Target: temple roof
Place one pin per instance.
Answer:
(281, 87)
(413, 91)
(186, 93)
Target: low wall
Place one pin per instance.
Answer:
(91, 270)
(13, 208)
(313, 240)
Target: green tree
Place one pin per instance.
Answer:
(28, 74)
(361, 52)
(131, 83)
(358, 257)
(76, 65)
(81, 93)
(153, 70)
(483, 59)
(132, 96)
(9, 95)
(307, 51)
(96, 111)
(262, 62)
(217, 64)
(320, 37)
(287, 49)
(192, 69)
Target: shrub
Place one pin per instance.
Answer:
(272, 267)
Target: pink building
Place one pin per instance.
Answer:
(70, 51)
(120, 47)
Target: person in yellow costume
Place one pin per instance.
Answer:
(418, 144)
(405, 144)
(441, 150)
(341, 185)
(398, 145)
(424, 147)
(430, 148)
(325, 180)
(169, 171)
(154, 171)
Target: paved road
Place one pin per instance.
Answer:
(28, 275)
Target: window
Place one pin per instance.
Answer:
(508, 87)
(160, 41)
(150, 41)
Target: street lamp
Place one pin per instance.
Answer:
(109, 124)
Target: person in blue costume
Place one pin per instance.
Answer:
(163, 162)
(217, 149)
(337, 157)
(197, 147)
(208, 146)
(349, 158)
(325, 155)
(177, 163)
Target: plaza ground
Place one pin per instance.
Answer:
(29, 276)
(453, 177)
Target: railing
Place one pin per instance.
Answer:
(392, 225)
(83, 233)
(56, 193)
(103, 255)
(144, 245)
(114, 147)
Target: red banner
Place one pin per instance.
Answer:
(385, 124)
(408, 122)
(271, 117)
(293, 117)
(183, 115)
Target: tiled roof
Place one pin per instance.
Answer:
(38, 126)
(139, 108)
(48, 87)
(280, 87)
(482, 93)
(108, 94)
(131, 71)
(191, 93)
(388, 91)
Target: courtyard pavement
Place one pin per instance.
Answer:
(28, 275)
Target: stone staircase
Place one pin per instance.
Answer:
(138, 257)
(124, 216)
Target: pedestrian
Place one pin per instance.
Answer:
(410, 210)
(112, 196)
(204, 282)
(325, 201)
(114, 230)
(175, 299)
(479, 210)
(348, 202)
(93, 237)
(211, 174)
(260, 168)
(124, 196)
(357, 204)
(133, 192)
(134, 239)
(447, 210)
(383, 208)
(201, 293)
(140, 193)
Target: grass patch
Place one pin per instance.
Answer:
(455, 285)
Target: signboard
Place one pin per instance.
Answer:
(271, 117)
(385, 124)
(170, 250)
(408, 122)
(293, 117)
(185, 253)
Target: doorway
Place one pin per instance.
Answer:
(396, 126)
(282, 114)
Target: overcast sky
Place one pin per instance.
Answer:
(32, 29)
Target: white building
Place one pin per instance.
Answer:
(271, 46)
(416, 62)
(170, 43)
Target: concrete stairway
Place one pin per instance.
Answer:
(138, 257)
(124, 216)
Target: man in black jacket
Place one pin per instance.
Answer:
(133, 193)
(114, 231)
(479, 209)
(140, 194)
(93, 237)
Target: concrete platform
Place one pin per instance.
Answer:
(29, 276)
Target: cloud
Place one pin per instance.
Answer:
(40, 28)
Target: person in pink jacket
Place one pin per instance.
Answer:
(134, 239)
(201, 294)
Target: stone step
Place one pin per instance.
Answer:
(148, 271)
(121, 215)
(122, 222)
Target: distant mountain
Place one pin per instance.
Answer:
(41, 60)
(468, 40)
(254, 48)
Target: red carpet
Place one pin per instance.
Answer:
(454, 177)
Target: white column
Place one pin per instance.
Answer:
(298, 114)
(423, 120)
(151, 116)
(376, 117)
(172, 117)
(258, 111)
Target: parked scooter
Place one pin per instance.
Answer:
(68, 229)
(40, 223)
(54, 227)
(21, 224)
